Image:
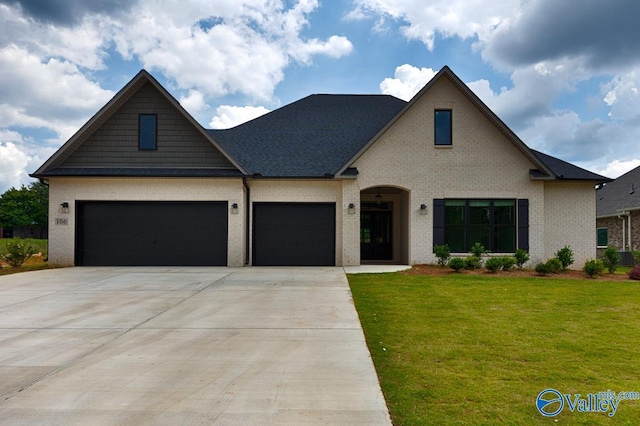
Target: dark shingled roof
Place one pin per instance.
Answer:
(621, 194)
(313, 137)
(567, 171)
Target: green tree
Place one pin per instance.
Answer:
(27, 206)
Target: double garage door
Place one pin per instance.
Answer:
(126, 233)
(132, 233)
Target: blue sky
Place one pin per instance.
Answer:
(563, 75)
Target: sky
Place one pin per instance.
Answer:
(563, 75)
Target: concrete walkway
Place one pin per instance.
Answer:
(184, 346)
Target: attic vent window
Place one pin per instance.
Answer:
(442, 125)
(147, 132)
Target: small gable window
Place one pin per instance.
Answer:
(147, 132)
(442, 121)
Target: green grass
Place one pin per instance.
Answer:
(477, 349)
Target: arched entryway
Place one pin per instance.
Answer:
(384, 225)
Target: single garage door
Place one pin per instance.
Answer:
(151, 233)
(294, 234)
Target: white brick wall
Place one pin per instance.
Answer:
(481, 163)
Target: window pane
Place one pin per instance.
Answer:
(479, 212)
(603, 237)
(505, 239)
(147, 129)
(443, 127)
(454, 215)
(480, 234)
(455, 239)
(504, 212)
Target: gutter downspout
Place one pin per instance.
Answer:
(620, 216)
(247, 203)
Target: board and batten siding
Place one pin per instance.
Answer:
(179, 143)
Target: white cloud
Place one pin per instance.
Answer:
(407, 81)
(617, 168)
(51, 94)
(622, 96)
(13, 162)
(194, 102)
(449, 18)
(242, 49)
(228, 116)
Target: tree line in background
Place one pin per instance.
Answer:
(26, 208)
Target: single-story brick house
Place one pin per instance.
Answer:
(326, 180)
(618, 214)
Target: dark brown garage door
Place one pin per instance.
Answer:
(151, 233)
(294, 234)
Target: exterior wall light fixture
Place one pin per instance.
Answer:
(423, 209)
(352, 208)
(64, 207)
(234, 208)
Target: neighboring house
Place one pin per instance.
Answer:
(326, 180)
(618, 214)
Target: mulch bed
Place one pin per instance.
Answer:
(435, 270)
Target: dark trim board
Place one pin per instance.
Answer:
(294, 234)
(151, 233)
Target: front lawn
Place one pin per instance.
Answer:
(478, 349)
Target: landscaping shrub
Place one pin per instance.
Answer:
(593, 267)
(493, 264)
(565, 256)
(457, 263)
(442, 253)
(636, 257)
(478, 251)
(473, 262)
(555, 265)
(17, 252)
(508, 262)
(542, 268)
(611, 259)
(522, 256)
(634, 274)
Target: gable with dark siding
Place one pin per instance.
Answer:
(115, 143)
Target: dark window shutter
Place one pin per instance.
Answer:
(523, 224)
(438, 222)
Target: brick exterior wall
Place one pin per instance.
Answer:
(481, 163)
(62, 236)
(615, 231)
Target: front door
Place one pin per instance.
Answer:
(376, 232)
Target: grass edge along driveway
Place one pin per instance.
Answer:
(478, 349)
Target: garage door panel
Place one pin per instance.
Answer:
(152, 233)
(294, 234)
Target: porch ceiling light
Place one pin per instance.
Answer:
(378, 197)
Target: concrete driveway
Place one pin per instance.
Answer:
(184, 346)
